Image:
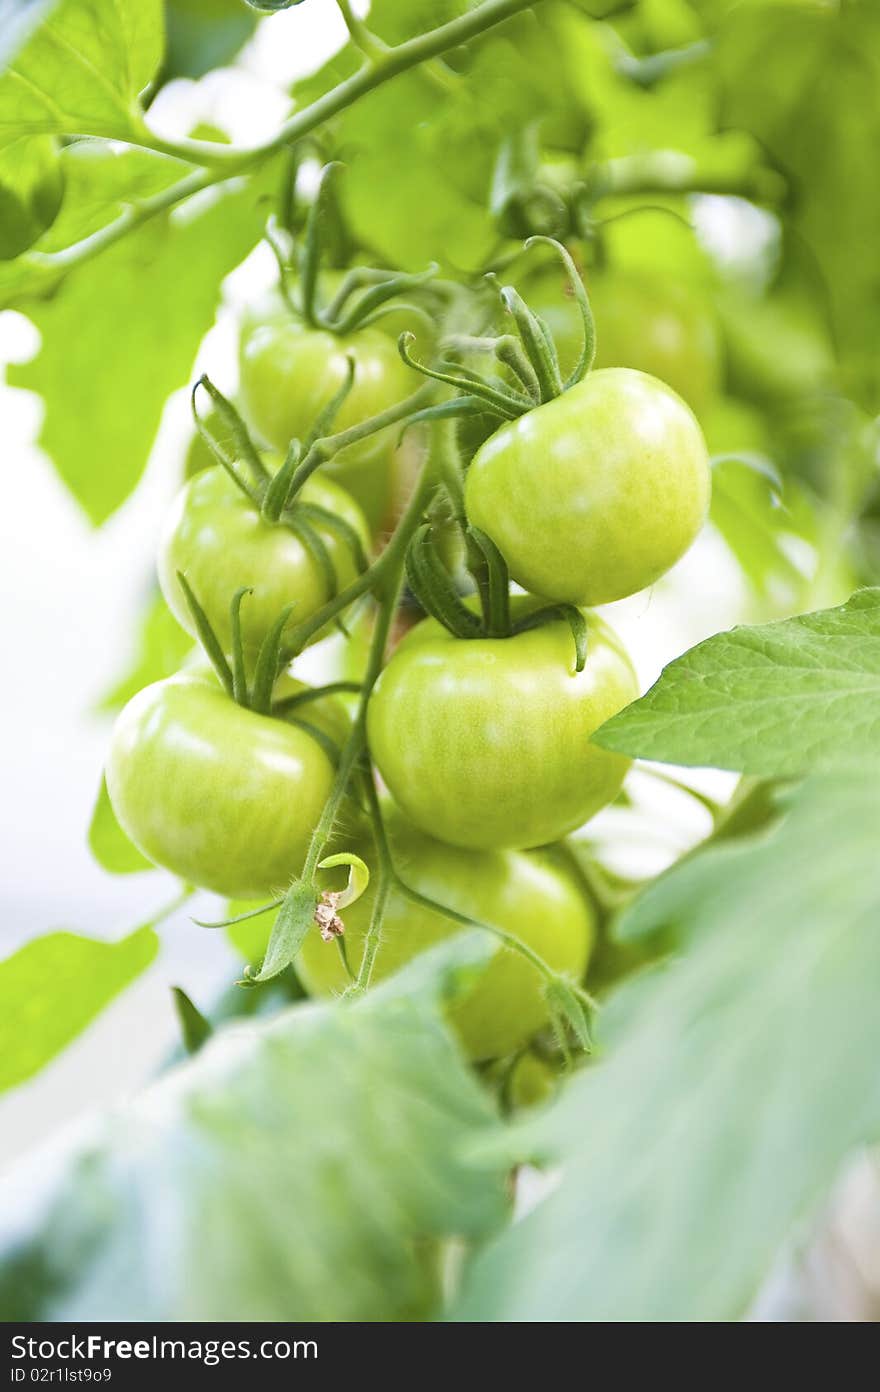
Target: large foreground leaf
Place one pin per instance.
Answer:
(773, 700)
(296, 1169)
(738, 1078)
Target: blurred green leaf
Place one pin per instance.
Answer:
(805, 81)
(420, 152)
(162, 646)
(108, 842)
(738, 1078)
(54, 986)
(82, 69)
(301, 1168)
(758, 523)
(204, 34)
(31, 189)
(121, 333)
(100, 182)
(194, 1028)
(773, 700)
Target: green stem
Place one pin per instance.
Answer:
(370, 45)
(387, 576)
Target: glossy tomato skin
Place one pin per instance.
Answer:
(526, 893)
(222, 797)
(658, 326)
(485, 743)
(594, 495)
(219, 541)
(290, 372)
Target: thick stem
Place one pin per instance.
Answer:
(387, 577)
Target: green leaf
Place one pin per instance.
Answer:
(108, 842)
(54, 986)
(301, 1168)
(195, 1029)
(420, 152)
(82, 70)
(774, 700)
(204, 34)
(31, 189)
(738, 1078)
(160, 650)
(805, 81)
(18, 20)
(295, 919)
(103, 372)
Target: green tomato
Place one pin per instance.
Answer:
(485, 742)
(527, 894)
(660, 327)
(290, 372)
(594, 495)
(219, 541)
(224, 798)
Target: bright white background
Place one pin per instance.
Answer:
(69, 597)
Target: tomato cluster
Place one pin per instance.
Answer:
(479, 724)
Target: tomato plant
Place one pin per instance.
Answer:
(454, 323)
(539, 901)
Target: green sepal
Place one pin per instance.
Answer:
(323, 517)
(275, 497)
(328, 745)
(314, 545)
(582, 299)
(269, 662)
(572, 616)
(245, 447)
(567, 1005)
(433, 587)
(313, 693)
(239, 671)
(325, 419)
(375, 300)
(504, 403)
(497, 595)
(194, 1028)
(206, 635)
(537, 342)
(310, 260)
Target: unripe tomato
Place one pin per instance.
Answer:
(661, 327)
(219, 541)
(222, 797)
(528, 894)
(290, 372)
(485, 742)
(595, 494)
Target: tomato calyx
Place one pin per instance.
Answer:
(255, 693)
(365, 293)
(436, 592)
(530, 357)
